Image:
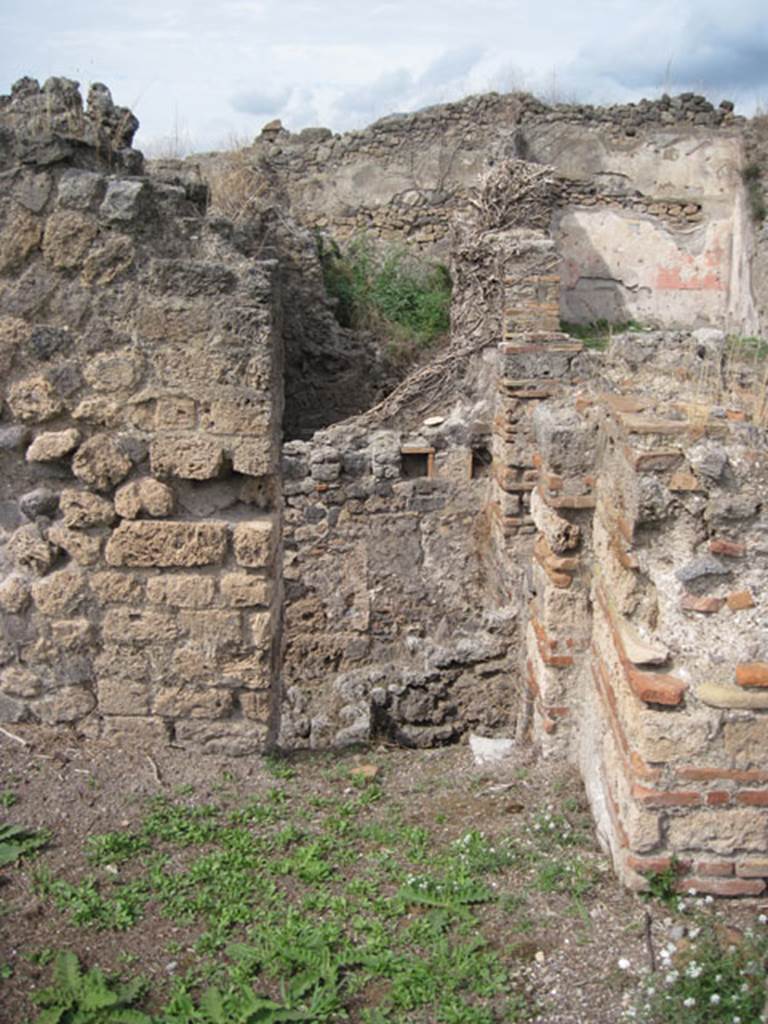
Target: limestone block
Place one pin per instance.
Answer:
(66, 705)
(243, 590)
(167, 544)
(175, 414)
(252, 458)
(17, 681)
(746, 742)
(107, 260)
(135, 626)
(233, 738)
(186, 702)
(113, 371)
(243, 415)
(146, 496)
(117, 587)
(67, 238)
(195, 662)
(14, 593)
(256, 705)
(190, 458)
(81, 509)
(30, 550)
(71, 634)
(181, 591)
(260, 624)
(60, 593)
(253, 543)
(121, 664)
(123, 696)
(123, 730)
(34, 400)
(214, 629)
(99, 410)
(19, 238)
(723, 695)
(251, 671)
(721, 830)
(100, 463)
(81, 548)
(53, 445)
(666, 736)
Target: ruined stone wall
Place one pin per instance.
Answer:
(646, 643)
(140, 396)
(394, 622)
(662, 177)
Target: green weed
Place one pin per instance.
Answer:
(714, 980)
(17, 841)
(386, 289)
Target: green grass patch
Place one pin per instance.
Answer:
(387, 289)
(292, 906)
(598, 333)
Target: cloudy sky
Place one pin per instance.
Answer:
(204, 73)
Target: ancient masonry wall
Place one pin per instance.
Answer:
(646, 644)
(664, 176)
(140, 390)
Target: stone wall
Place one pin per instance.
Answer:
(662, 176)
(141, 400)
(646, 642)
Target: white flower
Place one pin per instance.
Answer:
(690, 1001)
(714, 999)
(709, 899)
(691, 892)
(762, 918)
(623, 964)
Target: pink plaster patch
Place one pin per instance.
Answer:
(671, 279)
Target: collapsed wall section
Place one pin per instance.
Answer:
(140, 378)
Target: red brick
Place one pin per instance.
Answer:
(735, 415)
(738, 600)
(718, 797)
(722, 886)
(727, 774)
(705, 605)
(714, 868)
(752, 673)
(665, 798)
(648, 864)
(752, 867)
(753, 797)
(656, 688)
(729, 548)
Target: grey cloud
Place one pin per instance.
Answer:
(257, 102)
(713, 50)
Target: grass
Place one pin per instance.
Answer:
(403, 298)
(289, 905)
(598, 333)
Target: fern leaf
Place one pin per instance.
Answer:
(95, 993)
(66, 972)
(129, 1017)
(213, 1005)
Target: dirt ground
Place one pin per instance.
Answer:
(567, 950)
